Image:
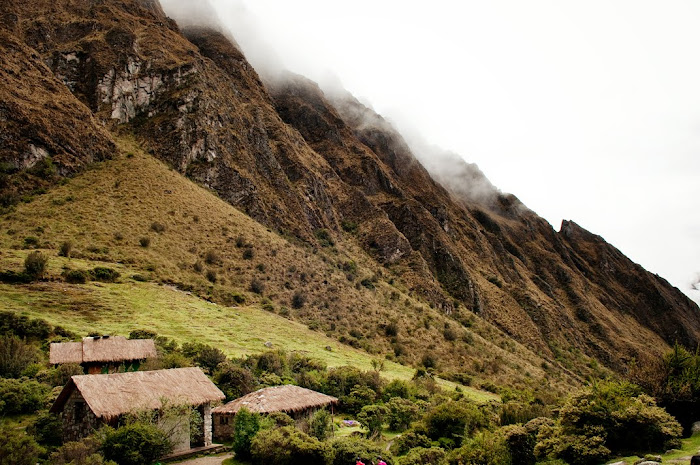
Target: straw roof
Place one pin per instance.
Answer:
(102, 349)
(112, 395)
(278, 399)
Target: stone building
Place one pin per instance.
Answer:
(295, 401)
(103, 354)
(89, 401)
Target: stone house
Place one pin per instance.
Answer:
(295, 401)
(90, 401)
(103, 354)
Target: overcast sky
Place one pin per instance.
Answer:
(588, 111)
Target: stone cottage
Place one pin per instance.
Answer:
(103, 354)
(295, 401)
(89, 401)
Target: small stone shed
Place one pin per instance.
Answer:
(89, 401)
(103, 354)
(295, 401)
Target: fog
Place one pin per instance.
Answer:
(588, 111)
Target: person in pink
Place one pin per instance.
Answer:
(358, 461)
(380, 461)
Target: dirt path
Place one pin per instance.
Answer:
(211, 460)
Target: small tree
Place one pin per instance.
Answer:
(286, 446)
(372, 417)
(15, 356)
(320, 425)
(401, 414)
(245, 427)
(138, 443)
(17, 448)
(35, 265)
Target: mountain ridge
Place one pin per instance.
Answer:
(321, 169)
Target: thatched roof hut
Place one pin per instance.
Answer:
(104, 349)
(288, 399)
(111, 395)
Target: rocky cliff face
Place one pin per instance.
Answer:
(308, 165)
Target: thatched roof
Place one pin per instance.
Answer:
(110, 396)
(278, 399)
(102, 349)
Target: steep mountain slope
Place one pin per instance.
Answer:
(329, 172)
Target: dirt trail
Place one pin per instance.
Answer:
(211, 460)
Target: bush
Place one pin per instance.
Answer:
(204, 355)
(158, 227)
(372, 418)
(21, 396)
(15, 356)
(520, 443)
(248, 253)
(47, 429)
(486, 448)
(234, 381)
(105, 275)
(76, 276)
(423, 456)
(84, 452)
(410, 440)
(401, 413)
(451, 421)
(298, 300)
(145, 242)
(211, 276)
(23, 327)
(138, 443)
(35, 265)
(212, 258)
(257, 286)
(343, 451)
(358, 398)
(16, 448)
(286, 446)
(320, 425)
(65, 249)
(245, 427)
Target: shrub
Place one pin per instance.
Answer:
(31, 242)
(83, 452)
(372, 418)
(324, 238)
(17, 448)
(21, 396)
(47, 429)
(486, 448)
(451, 421)
(286, 446)
(104, 274)
(35, 265)
(359, 397)
(423, 456)
(298, 300)
(145, 241)
(15, 356)
(401, 413)
(211, 276)
(204, 355)
(245, 427)
(410, 440)
(76, 276)
(279, 419)
(320, 425)
(248, 253)
(212, 258)
(520, 443)
(158, 227)
(138, 443)
(65, 249)
(234, 381)
(23, 327)
(257, 286)
(343, 451)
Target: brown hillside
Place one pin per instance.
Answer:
(333, 172)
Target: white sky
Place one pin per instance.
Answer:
(585, 110)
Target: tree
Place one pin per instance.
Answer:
(245, 427)
(286, 446)
(320, 425)
(15, 356)
(372, 417)
(401, 414)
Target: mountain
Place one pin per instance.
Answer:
(411, 255)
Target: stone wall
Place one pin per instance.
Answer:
(78, 420)
(223, 426)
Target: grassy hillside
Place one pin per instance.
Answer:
(158, 229)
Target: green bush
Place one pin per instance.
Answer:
(423, 456)
(451, 421)
(234, 381)
(372, 417)
(35, 265)
(17, 448)
(286, 446)
(16, 356)
(410, 440)
(204, 355)
(520, 443)
(401, 413)
(47, 429)
(486, 448)
(76, 276)
(83, 452)
(320, 425)
(343, 451)
(23, 327)
(138, 443)
(22, 396)
(359, 397)
(104, 274)
(65, 249)
(245, 427)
